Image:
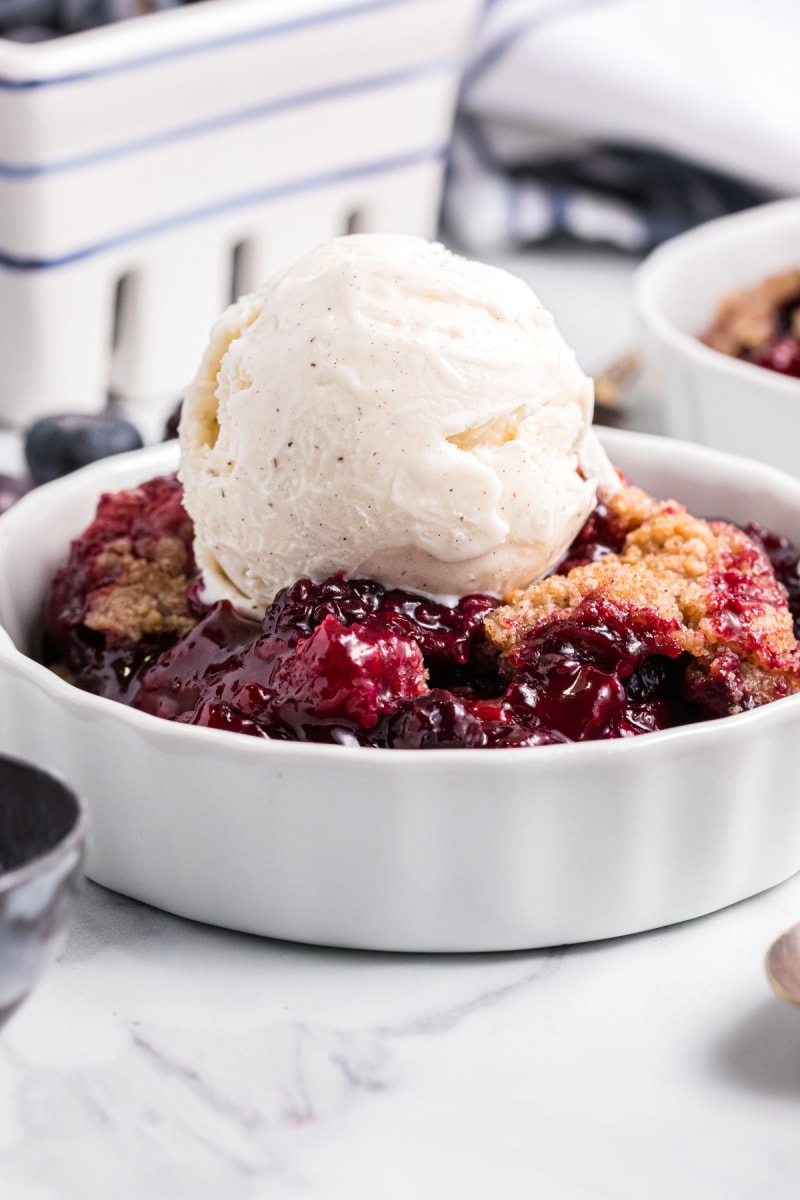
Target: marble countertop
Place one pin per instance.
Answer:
(169, 1060)
(163, 1059)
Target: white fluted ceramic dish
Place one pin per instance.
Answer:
(448, 850)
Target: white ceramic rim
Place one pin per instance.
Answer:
(163, 458)
(648, 279)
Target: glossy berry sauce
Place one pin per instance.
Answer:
(782, 352)
(351, 662)
(785, 562)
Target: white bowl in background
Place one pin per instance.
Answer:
(704, 395)
(419, 850)
(152, 169)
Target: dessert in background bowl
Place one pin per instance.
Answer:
(761, 324)
(42, 835)
(721, 394)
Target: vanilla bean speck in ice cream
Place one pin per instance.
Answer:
(390, 410)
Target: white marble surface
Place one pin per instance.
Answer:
(165, 1060)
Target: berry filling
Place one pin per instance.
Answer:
(785, 563)
(351, 662)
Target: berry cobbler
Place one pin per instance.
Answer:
(393, 525)
(761, 324)
(655, 618)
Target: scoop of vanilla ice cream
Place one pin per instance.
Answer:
(388, 409)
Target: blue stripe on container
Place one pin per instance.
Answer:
(276, 29)
(266, 195)
(336, 91)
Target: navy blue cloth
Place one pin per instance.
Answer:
(509, 186)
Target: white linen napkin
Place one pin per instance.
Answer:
(622, 120)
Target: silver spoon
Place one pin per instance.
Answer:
(783, 965)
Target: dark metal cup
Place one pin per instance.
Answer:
(42, 840)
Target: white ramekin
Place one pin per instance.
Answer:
(704, 395)
(448, 850)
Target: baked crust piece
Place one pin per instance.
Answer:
(710, 589)
(148, 593)
(127, 575)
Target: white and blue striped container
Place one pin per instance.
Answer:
(153, 169)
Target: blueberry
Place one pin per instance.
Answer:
(56, 445)
(11, 490)
(172, 423)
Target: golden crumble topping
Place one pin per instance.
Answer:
(711, 590)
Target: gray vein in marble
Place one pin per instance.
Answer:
(200, 1104)
(447, 1019)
